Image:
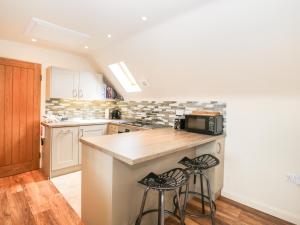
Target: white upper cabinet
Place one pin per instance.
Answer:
(63, 83)
(90, 86)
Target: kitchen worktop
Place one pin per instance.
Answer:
(81, 122)
(141, 146)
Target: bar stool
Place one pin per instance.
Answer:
(171, 180)
(199, 166)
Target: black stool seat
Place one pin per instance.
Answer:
(172, 180)
(169, 180)
(202, 162)
(199, 166)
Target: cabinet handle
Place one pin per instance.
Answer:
(80, 133)
(80, 93)
(65, 131)
(219, 148)
(74, 93)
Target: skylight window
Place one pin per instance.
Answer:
(122, 73)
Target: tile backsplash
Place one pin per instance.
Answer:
(78, 108)
(164, 112)
(156, 112)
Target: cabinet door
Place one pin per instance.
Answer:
(219, 170)
(90, 131)
(112, 129)
(62, 83)
(215, 174)
(65, 147)
(90, 86)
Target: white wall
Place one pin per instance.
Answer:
(261, 147)
(46, 57)
(247, 54)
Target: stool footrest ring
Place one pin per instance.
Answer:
(193, 214)
(157, 210)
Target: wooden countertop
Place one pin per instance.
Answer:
(141, 146)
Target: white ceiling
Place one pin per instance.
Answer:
(97, 18)
(186, 49)
(226, 47)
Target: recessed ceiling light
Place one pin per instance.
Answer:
(144, 18)
(86, 47)
(33, 40)
(109, 36)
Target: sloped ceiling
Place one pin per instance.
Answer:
(186, 49)
(226, 47)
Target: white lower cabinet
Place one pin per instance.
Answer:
(215, 174)
(90, 131)
(61, 152)
(65, 147)
(218, 178)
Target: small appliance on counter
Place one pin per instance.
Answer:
(179, 123)
(210, 123)
(116, 114)
(108, 113)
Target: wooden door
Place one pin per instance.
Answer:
(65, 147)
(20, 88)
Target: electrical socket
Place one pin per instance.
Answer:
(293, 178)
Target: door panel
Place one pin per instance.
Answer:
(8, 115)
(23, 116)
(19, 116)
(2, 115)
(16, 116)
(30, 114)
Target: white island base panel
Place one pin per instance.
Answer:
(111, 194)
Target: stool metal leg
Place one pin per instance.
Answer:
(180, 208)
(161, 208)
(212, 214)
(202, 193)
(176, 205)
(138, 222)
(186, 196)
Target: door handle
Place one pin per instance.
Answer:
(80, 93)
(219, 148)
(74, 93)
(65, 131)
(80, 133)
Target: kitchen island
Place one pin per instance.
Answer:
(112, 165)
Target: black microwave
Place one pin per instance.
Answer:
(204, 124)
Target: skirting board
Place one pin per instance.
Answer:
(282, 214)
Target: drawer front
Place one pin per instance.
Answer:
(92, 131)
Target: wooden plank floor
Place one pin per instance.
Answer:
(229, 213)
(31, 199)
